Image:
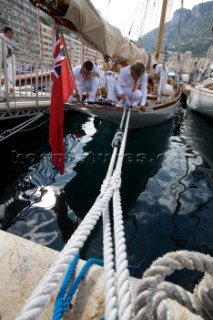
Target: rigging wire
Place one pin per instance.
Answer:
(203, 52)
(203, 48)
(169, 10)
(9, 132)
(151, 16)
(147, 12)
(179, 43)
(133, 20)
(33, 128)
(143, 16)
(107, 9)
(131, 16)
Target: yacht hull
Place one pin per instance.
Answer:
(138, 118)
(201, 100)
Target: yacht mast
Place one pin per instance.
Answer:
(178, 73)
(161, 28)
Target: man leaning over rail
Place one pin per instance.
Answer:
(87, 78)
(131, 85)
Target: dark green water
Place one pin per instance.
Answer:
(167, 187)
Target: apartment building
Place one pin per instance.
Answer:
(35, 37)
(76, 49)
(46, 41)
(23, 18)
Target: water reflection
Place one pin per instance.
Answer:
(167, 191)
(200, 131)
(175, 211)
(37, 196)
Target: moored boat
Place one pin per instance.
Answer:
(200, 98)
(155, 113)
(30, 78)
(82, 17)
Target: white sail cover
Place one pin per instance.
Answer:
(106, 38)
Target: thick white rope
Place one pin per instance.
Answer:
(151, 289)
(123, 278)
(125, 308)
(151, 300)
(41, 295)
(111, 305)
(203, 294)
(163, 313)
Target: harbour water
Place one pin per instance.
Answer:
(167, 187)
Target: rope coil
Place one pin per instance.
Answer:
(152, 290)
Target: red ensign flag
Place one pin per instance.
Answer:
(62, 88)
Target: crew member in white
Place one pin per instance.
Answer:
(161, 72)
(87, 79)
(131, 85)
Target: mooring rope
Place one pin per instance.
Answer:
(153, 291)
(42, 294)
(123, 278)
(111, 302)
(60, 303)
(66, 294)
(116, 304)
(9, 132)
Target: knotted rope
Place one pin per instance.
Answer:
(153, 291)
(42, 294)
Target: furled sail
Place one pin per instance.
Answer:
(96, 30)
(83, 18)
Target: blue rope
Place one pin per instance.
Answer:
(63, 299)
(59, 303)
(65, 296)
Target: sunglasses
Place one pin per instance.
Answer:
(85, 72)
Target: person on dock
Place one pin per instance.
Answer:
(131, 86)
(87, 78)
(8, 59)
(1, 65)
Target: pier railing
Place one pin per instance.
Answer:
(25, 81)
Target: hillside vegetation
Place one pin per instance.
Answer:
(196, 31)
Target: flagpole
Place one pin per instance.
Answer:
(69, 63)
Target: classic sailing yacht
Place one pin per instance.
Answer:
(80, 16)
(200, 97)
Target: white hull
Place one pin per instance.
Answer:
(138, 119)
(201, 99)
